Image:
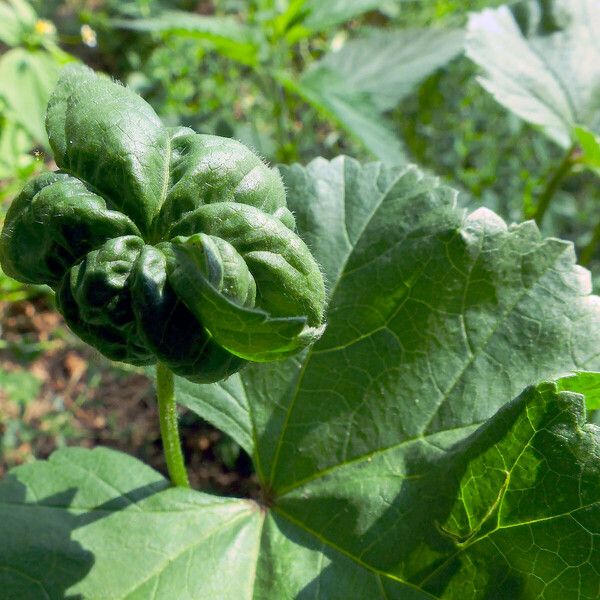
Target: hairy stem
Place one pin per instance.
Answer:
(553, 185)
(167, 407)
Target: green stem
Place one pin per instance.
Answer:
(553, 185)
(587, 253)
(167, 407)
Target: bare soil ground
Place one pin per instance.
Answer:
(81, 399)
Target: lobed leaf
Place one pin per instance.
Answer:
(436, 321)
(370, 75)
(510, 511)
(354, 110)
(70, 524)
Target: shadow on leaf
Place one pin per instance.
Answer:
(39, 559)
(435, 532)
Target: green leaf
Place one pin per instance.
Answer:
(54, 222)
(389, 65)
(399, 457)
(379, 446)
(230, 37)
(551, 81)
(26, 81)
(355, 111)
(589, 144)
(71, 524)
(326, 15)
(243, 330)
(585, 383)
(510, 510)
(17, 18)
(370, 75)
(225, 405)
(110, 138)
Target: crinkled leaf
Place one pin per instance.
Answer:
(113, 140)
(208, 169)
(288, 280)
(95, 297)
(248, 332)
(169, 329)
(128, 186)
(552, 81)
(53, 223)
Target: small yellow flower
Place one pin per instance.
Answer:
(45, 27)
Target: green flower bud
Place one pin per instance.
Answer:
(161, 243)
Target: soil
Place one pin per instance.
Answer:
(84, 400)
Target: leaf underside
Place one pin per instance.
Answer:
(548, 79)
(400, 454)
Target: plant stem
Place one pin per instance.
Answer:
(167, 407)
(587, 253)
(553, 185)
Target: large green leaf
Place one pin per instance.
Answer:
(388, 65)
(476, 286)
(98, 524)
(552, 81)
(436, 321)
(394, 462)
(510, 512)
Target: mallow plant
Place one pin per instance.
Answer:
(411, 381)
